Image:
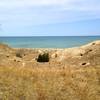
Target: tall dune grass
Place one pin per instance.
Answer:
(49, 83)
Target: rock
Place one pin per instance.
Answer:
(17, 59)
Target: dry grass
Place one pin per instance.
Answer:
(49, 83)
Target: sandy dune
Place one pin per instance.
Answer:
(87, 55)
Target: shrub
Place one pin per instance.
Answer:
(43, 57)
(20, 53)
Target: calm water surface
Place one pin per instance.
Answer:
(48, 41)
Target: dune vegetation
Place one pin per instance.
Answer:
(49, 83)
(50, 74)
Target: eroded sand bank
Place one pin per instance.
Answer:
(87, 55)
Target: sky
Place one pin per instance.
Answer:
(49, 17)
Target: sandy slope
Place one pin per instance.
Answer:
(87, 55)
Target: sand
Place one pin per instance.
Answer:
(87, 55)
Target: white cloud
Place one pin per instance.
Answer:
(63, 4)
(19, 3)
(20, 13)
(47, 11)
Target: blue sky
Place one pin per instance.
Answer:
(49, 17)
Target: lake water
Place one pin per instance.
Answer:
(48, 41)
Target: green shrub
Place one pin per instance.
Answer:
(43, 57)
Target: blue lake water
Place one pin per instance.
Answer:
(48, 41)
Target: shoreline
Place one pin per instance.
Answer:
(76, 56)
